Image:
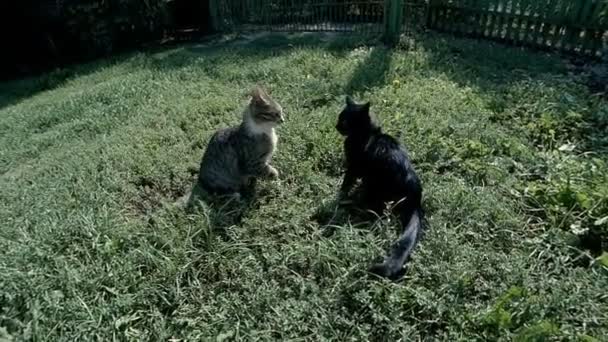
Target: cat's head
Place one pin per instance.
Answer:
(263, 109)
(355, 118)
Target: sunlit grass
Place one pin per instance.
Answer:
(93, 158)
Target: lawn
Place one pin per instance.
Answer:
(511, 148)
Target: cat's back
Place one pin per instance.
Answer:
(223, 136)
(388, 161)
(219, 156)
(385, 146)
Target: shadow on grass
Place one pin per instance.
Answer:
(12, 92)
(494, 69)
(513, 82)
(224, 211)
(256, 48)
(337, 213)
(371, 72)
(276, 43)
(486, 67)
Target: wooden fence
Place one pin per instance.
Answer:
(578, 26)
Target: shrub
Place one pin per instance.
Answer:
(100, 27)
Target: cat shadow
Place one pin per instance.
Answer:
(337, 213)
(223, 211)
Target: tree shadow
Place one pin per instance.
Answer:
(509, 77)
(336, 213)
(481, 64)
(494, 69)
(276, 43)
(371, 72)
(257, 47)
(15, 90)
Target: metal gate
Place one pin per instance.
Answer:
(363, 16)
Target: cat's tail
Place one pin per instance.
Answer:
(412, 221)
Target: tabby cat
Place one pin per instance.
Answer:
(387, 175)
(235, 157)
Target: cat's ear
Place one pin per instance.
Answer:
(365, 107)
(259, 96)
(349, 101)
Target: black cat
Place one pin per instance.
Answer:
(387, 175)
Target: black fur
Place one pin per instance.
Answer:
(387, 175)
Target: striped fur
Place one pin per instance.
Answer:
(235, 157)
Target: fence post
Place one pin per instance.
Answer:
(393, 14)
(429, 14)
(214, 15)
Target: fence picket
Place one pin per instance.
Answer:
(439, 16)
(527, 23)
(575, 31)
(563, 20)
(575, 39)
(585, 40)
(482, 18)
(449, 19)
(536, 12)
(513, 22)
(554, 27)
(469, 18)
(595, 22)
(463, 16)
(521, 26)
(429, 15)
(508, 10)
(545, 33)
(478, 21)
(567, 25)
(521, 22)
(445, 18)
(331, 17)
(493, 17)
(503, 22)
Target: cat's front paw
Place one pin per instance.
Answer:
(271, 172)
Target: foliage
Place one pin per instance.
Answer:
(510, 148)
(100, 27)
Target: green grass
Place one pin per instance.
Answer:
(511, 150)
